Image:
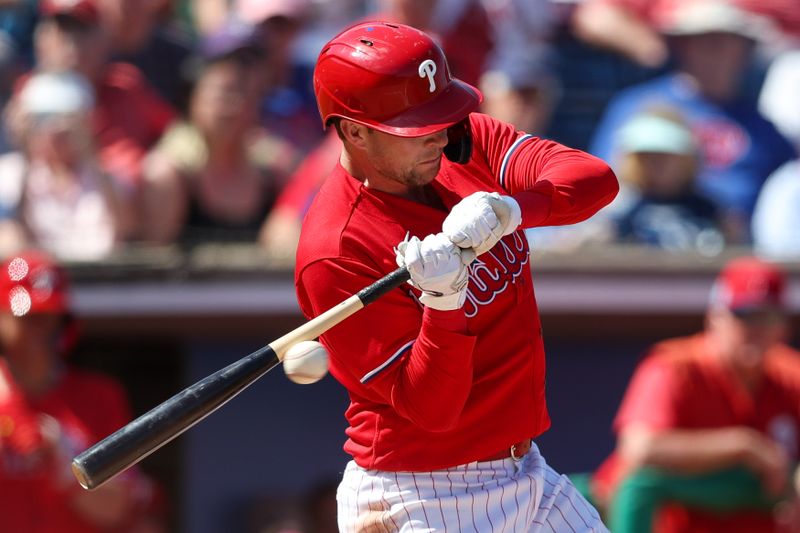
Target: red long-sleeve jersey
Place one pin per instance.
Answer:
(432, 389)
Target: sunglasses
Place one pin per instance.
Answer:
(759, 316)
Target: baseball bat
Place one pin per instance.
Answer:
(141, 437)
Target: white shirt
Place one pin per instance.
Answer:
(776, 219)
(72, 221)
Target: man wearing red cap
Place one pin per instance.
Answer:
(445, 375)
(711, 421)
(49, 412)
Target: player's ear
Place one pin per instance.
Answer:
(459, 142)
(352, 132)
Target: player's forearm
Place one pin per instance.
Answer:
(687, 451)
(432, 387)
(569, 188)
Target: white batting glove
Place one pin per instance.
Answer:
(481, 219)
(438, 268)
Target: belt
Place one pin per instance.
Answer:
(516, 451)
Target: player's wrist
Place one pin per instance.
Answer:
(535, 207)
(745, 443)
(445, 302)
(449, 320)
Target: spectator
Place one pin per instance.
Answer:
(216, 174)
(739, 148)
(778, 100)
(17, 20)
(288, 109)
(204, 17)
(658, 169)
(281, 230)
(129, 116)
(519, 84)
(709, 426)
(141, 35)
(776, 216)
(632, 28)
(49, 411)
(462, 28)
(53, 193)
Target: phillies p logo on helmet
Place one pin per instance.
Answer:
(428, 68)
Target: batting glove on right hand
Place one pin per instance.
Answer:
(481, 219)
(438, 268)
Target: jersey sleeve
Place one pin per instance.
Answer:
(392, 352)
(554, 184)
(650, 400)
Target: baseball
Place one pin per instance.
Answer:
(306, 362)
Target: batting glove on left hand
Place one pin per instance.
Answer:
(481, 219)
(438, 268)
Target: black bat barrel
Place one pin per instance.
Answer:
(168, 420)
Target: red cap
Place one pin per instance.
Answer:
(749, 283)
(31, 282)
(81, 10)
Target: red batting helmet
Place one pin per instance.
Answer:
(390, 77)
(31, 282)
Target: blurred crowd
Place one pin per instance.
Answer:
(166, 122)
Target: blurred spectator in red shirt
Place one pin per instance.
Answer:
(49, 412)
(216, 175)
(53, 193)
(129, 116)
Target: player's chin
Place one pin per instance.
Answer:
(751, 356)
(427, 171)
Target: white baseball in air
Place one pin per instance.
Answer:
(306, 362)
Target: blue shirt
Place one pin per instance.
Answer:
(739, 147)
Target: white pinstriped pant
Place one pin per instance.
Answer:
(494, 496)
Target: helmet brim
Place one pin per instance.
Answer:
(449, 107)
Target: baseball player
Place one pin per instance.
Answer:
(445, 375)
(708, 429)
(49, 411)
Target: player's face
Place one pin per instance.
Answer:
(715, 60)
(404, 161)
(30, 342)
(744, 338)
(665, 175)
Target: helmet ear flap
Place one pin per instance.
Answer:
(459, 142)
